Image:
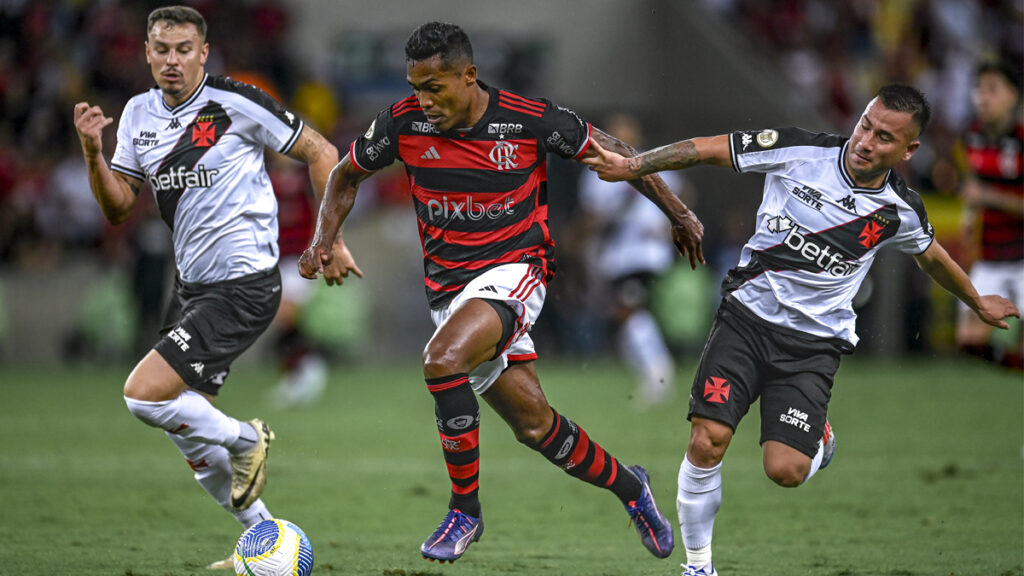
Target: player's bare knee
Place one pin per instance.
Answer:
(706, 447)
(439, 363)
(786, 474)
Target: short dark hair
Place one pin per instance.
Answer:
(1010, 73)
(178, 15)
(903, 98)
(442, 39)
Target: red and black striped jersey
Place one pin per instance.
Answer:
(480, 194)
(1000, 165)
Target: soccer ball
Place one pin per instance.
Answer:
(273, 547)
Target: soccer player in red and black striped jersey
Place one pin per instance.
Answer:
(475, 158)
(993, 190)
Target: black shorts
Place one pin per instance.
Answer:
(634, 290)
(747, 358)
(208, 326)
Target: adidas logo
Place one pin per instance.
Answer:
(430, 154)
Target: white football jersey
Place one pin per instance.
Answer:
(636, 236)
(204, 161)
(817, 233)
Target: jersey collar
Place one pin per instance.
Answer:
(849, 179)
(175, 110)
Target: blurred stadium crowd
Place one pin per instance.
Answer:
(839, 53)
(54, 53)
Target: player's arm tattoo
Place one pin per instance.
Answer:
(310, 145)
(672, 157)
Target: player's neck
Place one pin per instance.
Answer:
(477, 107)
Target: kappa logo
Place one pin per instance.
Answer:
(716, 390)
(430, 154)
(850, 203)
(198, 367)
(746, 139)
(174, 124)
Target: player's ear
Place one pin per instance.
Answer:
(911, 148)
(204, 54)
(469, 74)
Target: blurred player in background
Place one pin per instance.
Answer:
(830, 204)
(630, 247)
(993, 191)
(199, 141)
(476, 160)
(304, 368)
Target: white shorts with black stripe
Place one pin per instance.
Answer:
(520, 286)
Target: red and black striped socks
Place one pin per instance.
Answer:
(568, 447)
(458, 423)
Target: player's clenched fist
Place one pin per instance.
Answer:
(89, 123)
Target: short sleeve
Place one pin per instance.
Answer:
(125, 159)
(563, 132)
(377, 148)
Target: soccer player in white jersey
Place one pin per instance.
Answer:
(199, 141)
(830, 203)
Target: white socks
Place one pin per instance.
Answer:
(643, 348)
(206, 437)
(212, 467)
(191, 416)
(816, 461)
(697, 502)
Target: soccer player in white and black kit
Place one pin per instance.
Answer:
(199, 141)
(830, 204)
(476, 160)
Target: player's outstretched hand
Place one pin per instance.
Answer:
(688, 237)
(610, 166)
(89, 123)
(993, 309)
(313, 260)
(340, 265)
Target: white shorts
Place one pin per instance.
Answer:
(294, 288)
(1003, 278)
(520, 286)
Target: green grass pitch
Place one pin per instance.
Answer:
(928, 479)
